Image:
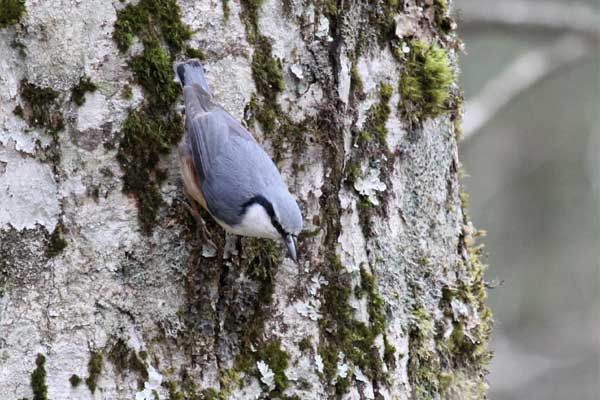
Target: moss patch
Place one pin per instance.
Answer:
(225, 5)
(356, 83)
(127, 92)
(304, 344)
(266, 70)
(119, 355)
(78, 92)
(11, 12)
(445, 367)
(191, 52)
(342, 333)
(443, 22)
(212, 394)
(41, 101)
(137, 364)
(374, 301)
(146, 19)
(153, 70)
(38, 379)
(94, 370)
(378, 116)
(124, 358)
(18, 111)
(267, 73)
(42, 111)
(371, 142)
(56, 243)
(383, 18)
(188, 389)
(277, 360)
(425, 81)
(75, 380)
(153, 129)
(261, 260)
(249, 17)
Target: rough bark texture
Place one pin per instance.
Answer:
(102, 272)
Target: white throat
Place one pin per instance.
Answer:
(257, 223)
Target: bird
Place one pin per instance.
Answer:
(227, 172)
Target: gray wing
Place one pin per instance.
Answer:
(231, 165)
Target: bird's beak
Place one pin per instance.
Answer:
(291, 246)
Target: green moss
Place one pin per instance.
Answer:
(372, 143)
(75, 380)
(341, 332)
(382, 17)
(375, 302)
(212, 394)
(473, 290)
(173, 393)
(78, 92)
(423, 363)
(266, 70)
(262, 256)
(249, 17)
(119, 355)
(42, 104)
(124, 358)
(389, 353)
(277, 360)
(127, 92)
(271, 353)
(304, 344)
(42, 111)
(153, 129)
(379, 114)
(154, 72)
(190, 52)
(94, 370)
(425, 81)
(56, 243)
(38, 379)
(443, 21)
(443, 367)
(267, 73)
(442, 4)
(188, 385)
(18, 111)
(261, 260)
(145, 18)
(138, 365)
(11, 12)
(225, 5)
(356, 83)
(188, 389)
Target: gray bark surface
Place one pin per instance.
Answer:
(394, 248)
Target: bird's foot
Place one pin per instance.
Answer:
(201, 230)
(206, 237)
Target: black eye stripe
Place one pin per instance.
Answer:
(266, 204)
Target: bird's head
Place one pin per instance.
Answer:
(275, 215)
(287, 221)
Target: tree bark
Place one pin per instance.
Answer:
(102, 272)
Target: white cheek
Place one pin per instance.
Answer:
(256, 223)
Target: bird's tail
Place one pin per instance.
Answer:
(190, 72)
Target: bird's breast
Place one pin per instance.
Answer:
(256, 223)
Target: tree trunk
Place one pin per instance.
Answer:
(107, 291)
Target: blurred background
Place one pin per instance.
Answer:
(531, 150)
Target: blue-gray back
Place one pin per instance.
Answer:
(231, 166)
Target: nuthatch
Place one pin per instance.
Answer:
(227, 171)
